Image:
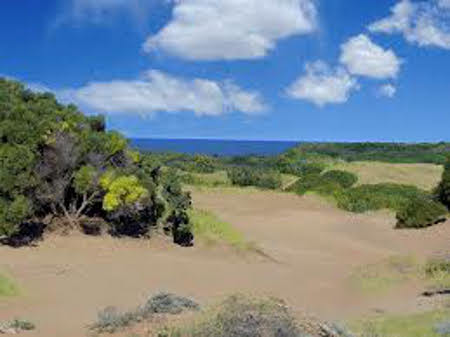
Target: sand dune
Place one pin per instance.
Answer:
(314, 248)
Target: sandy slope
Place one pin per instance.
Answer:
(67, 280)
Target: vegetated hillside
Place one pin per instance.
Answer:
(60, 169)
(384, 152)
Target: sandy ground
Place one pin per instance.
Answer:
(314, 248)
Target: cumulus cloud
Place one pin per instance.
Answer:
(424, 23)
(364, 58)
(387, 90)
(231, 29)
(322, 85)
(157, 92)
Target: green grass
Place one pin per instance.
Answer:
(216, 179)
(381, 277)
(7, 287)
(417, 325)
(209, 228)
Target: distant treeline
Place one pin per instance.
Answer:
(385, 152)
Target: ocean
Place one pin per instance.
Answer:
(213, 147)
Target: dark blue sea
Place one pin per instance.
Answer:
(213, 147)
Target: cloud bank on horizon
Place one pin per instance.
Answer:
(250, 30)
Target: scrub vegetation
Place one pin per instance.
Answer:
(7, 287)
(59, 167)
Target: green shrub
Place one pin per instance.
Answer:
(241, 316)
(442, 191)
(302, 169)
(247, 176)
(315, 183)
(110, 319)
(437, 266)
(420, 213)
(343, 178)
(366, 198)
(52, 157)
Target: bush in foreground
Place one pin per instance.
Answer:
(56, 163)
(421, 213)
(240, 316)
(16, 326)
(244, 316)
(111, 319)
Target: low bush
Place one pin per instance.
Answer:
(241, 316)
(16, 326)
(302, 169)
(421, 213)
(247, 176)
(437, 266)
(166, 303)
(244, 316)
(343, 178)
(315, 183)
(442, 191)
(110, 319)
(366, 198)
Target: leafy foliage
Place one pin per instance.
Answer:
(420, 213)
(443, 190)
(365, 198)
(241, 316)
(247, 176)
(56, 161)
(342, 178)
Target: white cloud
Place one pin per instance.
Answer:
(323, 85)
(231, 29)
(157, 91)
(425, 23)
(364, 58)
(387, 90)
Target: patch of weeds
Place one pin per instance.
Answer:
(437, 273)
(110, 319)
(7, 287)
(383, 276)
(416, 325)
(15, 326)
(207, 227)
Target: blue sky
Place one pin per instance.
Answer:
(316, 70)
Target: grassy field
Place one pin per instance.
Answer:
(7, 287)
(425, 176)
(210, 229)
(417, 325)
(380, 277)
